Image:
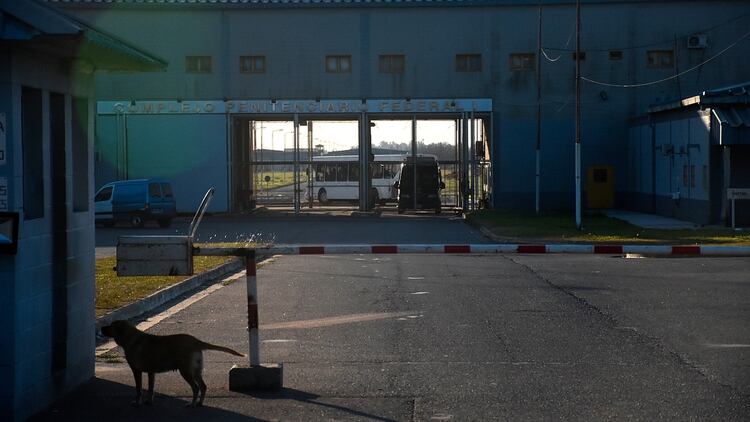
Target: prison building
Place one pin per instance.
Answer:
(476, 63)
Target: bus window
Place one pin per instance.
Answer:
(377, 171)
(320, 172)
(341, 172)
(353, 172)
(330, 173)
(389, 171)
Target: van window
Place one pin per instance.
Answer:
(154, 190)
(166, 190)
(104, 194)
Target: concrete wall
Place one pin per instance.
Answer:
(26, 279)
(295, 42)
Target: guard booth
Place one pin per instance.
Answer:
(289, 154)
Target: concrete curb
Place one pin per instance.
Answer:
(166, 294)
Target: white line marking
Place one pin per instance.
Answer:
(727, 345)
(420, 293)
(415, 278)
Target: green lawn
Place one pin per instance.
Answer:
(560, 228)
(113, 292)
(277, 179)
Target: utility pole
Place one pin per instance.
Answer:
(578, 116)
(538, 106)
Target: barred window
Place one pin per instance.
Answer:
(660, 59)
(198, 64)
(339, 64)
(522, 61)
(468, 62)
(392, 63)
(253, 64)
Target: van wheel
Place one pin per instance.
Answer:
(136, 221)
(322, 196)
(165, 222)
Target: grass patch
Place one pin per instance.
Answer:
(560, 228)
(113, 292)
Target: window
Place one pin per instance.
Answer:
(615, 55)
(339, 64)
(330, 170)
(583, 55)
(198, 64)
(468, 62)
(31, 138)
(80, 150)
(166, 190)
(341, 172)
(353, 172)
(154, 190)
(392, 63)
(660, 59)
(377, 171)
(253, 64)
(104, 194)
(522, 61)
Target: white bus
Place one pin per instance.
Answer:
(336, 177)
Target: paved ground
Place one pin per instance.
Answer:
(435, 337)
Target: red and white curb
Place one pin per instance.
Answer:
(671, 250)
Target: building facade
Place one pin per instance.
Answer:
(634, 54)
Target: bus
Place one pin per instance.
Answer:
(336, 177)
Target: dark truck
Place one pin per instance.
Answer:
(425, 193)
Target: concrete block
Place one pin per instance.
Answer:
(257, 377)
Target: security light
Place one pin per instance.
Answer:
(8, 233)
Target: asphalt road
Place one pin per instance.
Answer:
(436, 337)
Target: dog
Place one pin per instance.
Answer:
(151, 354)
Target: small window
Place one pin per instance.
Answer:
(660, 59)
(377, 171)
(583, 55)
(392, 63)
(253, 64)
(468, 62)
(166, 190)
(522, 61)
(339, 64)
(615, 55)
(320, 172)
(104, 194)
(330, 173)
(198, 64)
(154, 190)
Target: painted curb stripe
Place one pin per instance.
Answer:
(312, 250)
(532, 249)
(457, 249)
(385, 249)
(608, 249)
(686, 250)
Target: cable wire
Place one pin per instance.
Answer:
(677, 75)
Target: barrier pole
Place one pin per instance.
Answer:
(252, 307)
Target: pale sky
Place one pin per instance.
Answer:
(336, 136)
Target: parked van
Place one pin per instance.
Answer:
(135, 201)
(428, 184)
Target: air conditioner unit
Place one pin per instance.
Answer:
(697, 41)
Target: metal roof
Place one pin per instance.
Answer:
(322, 3)
(34, 23)
(733, 116)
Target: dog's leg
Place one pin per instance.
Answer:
(188, 375)
(151, 379)
(202, 385)
(198, 370)
(137, 375)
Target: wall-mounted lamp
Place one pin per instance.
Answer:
(8, 233)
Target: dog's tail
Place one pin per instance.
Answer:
(209, 346)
